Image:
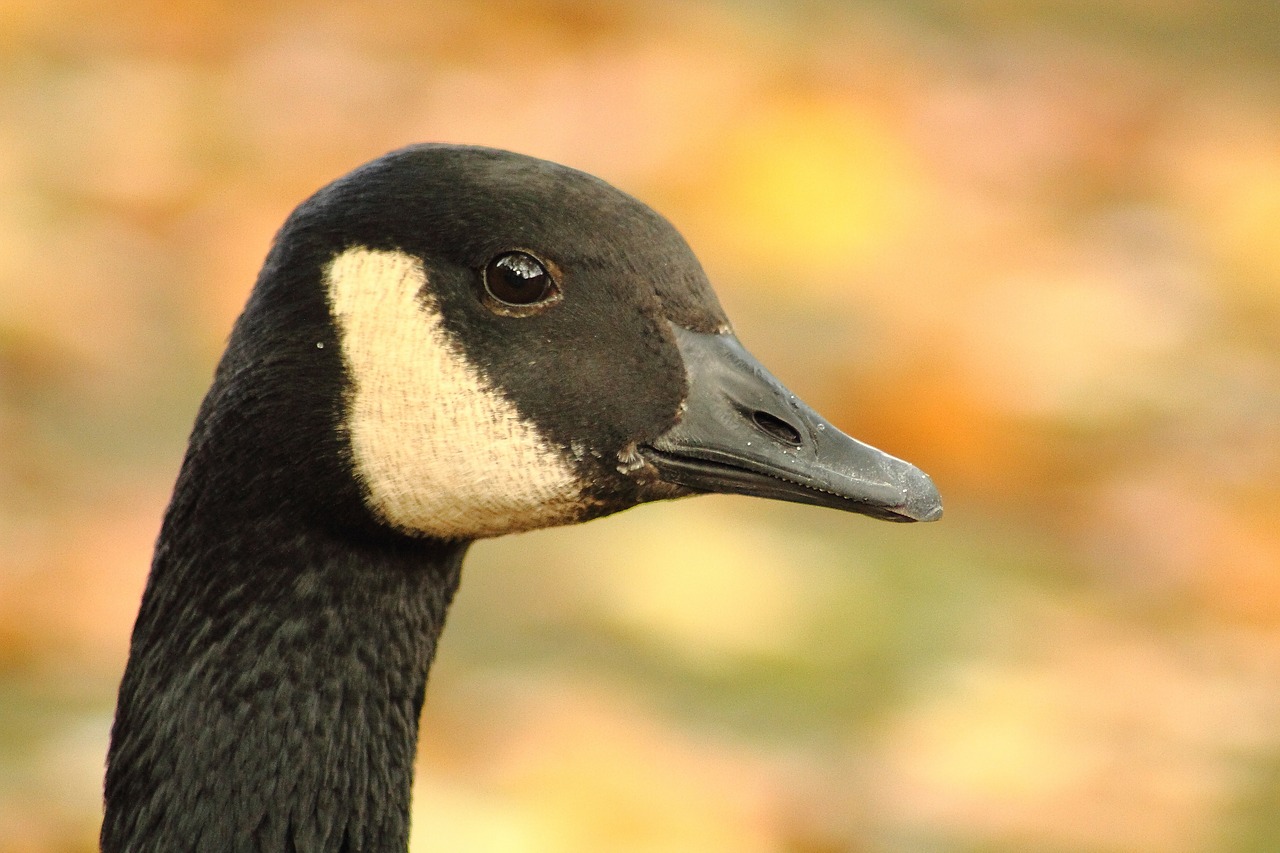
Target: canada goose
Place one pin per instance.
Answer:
(448, 343)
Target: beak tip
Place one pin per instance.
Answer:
(923, 503)
(930, 513)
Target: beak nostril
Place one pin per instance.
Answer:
(776, 428)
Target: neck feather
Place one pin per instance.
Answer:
(273, 689)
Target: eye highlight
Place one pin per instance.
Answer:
(516, 284)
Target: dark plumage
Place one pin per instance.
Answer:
(333, 481)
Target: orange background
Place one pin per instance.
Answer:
(1033, 247)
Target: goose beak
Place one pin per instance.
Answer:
(743, 432)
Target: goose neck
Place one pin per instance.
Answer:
(273, 690)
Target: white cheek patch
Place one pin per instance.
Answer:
(437, 448)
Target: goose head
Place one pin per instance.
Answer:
(485, 343)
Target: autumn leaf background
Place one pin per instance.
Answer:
(1033, 247)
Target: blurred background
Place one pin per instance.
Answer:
(1033, 247)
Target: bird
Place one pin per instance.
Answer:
(447, 344)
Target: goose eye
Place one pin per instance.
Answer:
(517, 283)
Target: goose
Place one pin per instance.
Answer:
(447, 344)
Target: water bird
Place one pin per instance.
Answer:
(447, 344)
